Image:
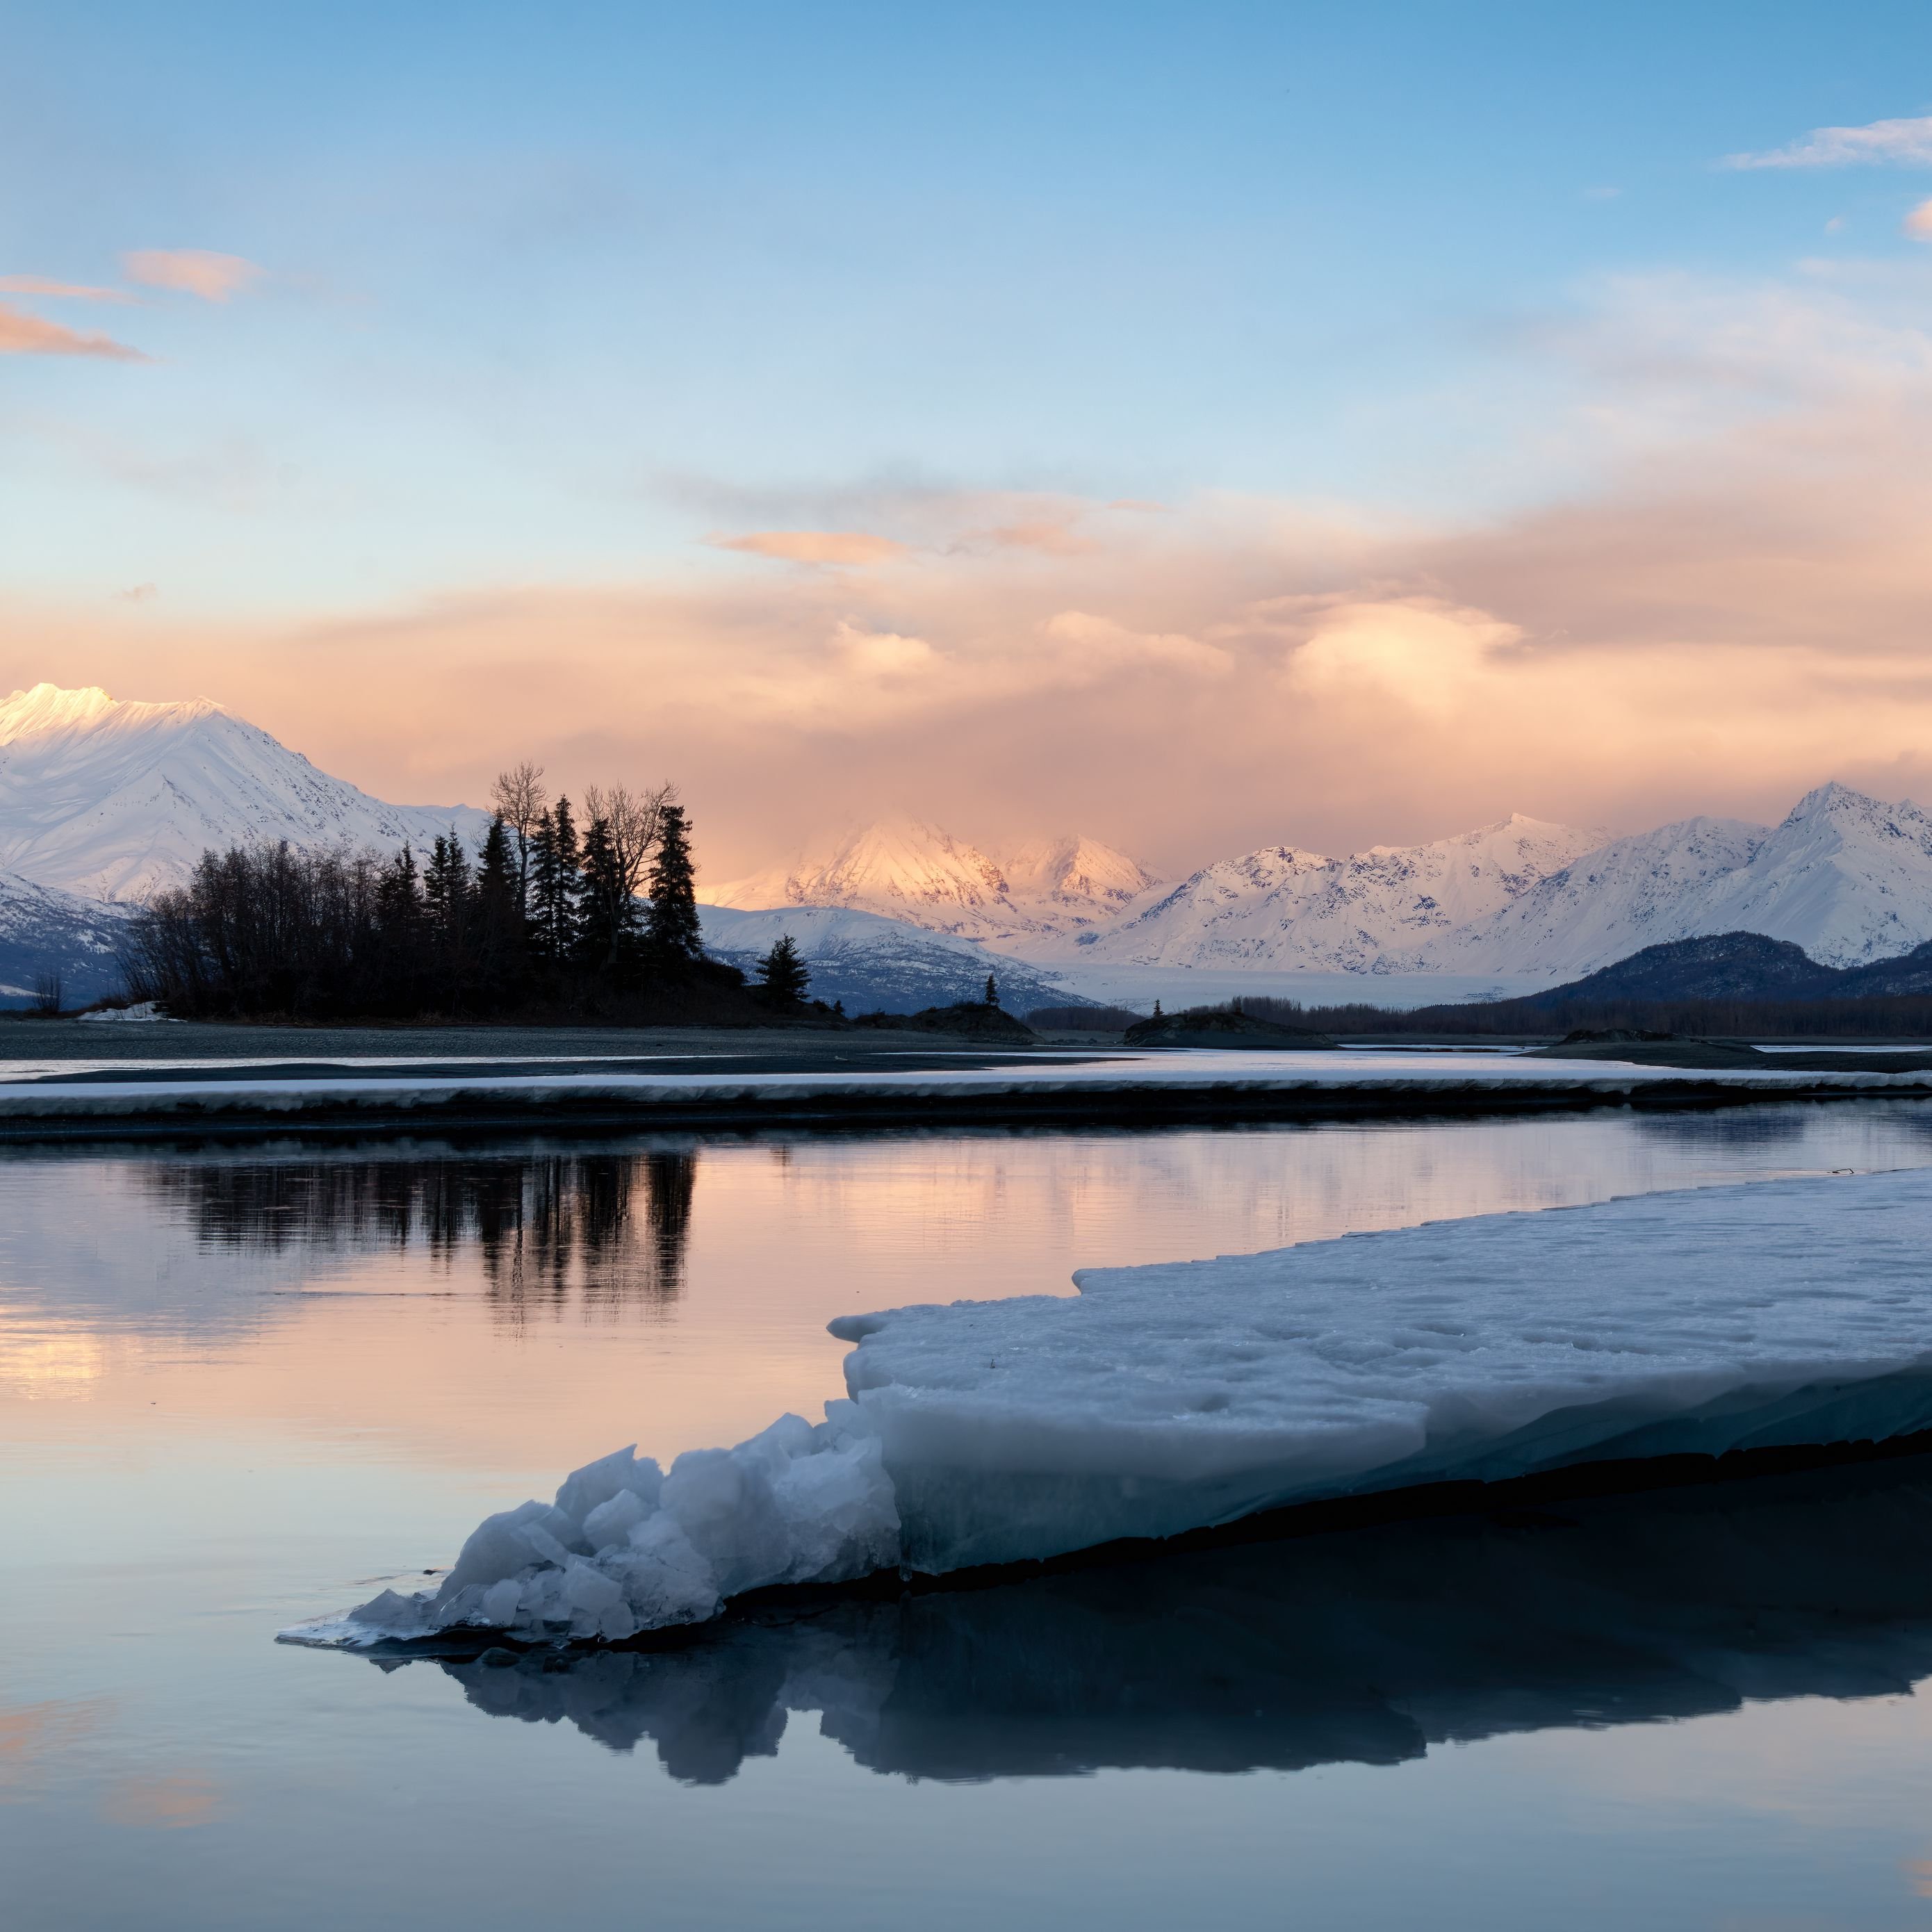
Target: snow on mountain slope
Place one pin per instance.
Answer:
(1076, 882)
(904, 870)
(46, 932)
(877, 965)
(1846, 876)
(1631, 893)
(1384, 910)
(110, 799)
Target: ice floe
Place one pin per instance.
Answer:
(1177, 1396)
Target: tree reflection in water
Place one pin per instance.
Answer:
(609, 1229)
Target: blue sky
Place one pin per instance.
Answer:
(550, 296)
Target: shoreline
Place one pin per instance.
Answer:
(884, 1087)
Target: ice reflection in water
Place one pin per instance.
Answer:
(1367, 1646)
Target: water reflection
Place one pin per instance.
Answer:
(607, 1227)
(1368, 1646)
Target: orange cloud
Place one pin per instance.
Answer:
(1733, 611)
(193, 272)
(24, 334)
(812, 546)
(39, 285)
(1918, 223)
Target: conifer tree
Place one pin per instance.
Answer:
(992, 991)
(446, 899)
(496, 901)
(782, 975)
(607, 919)
(555, 880)
(672, 934)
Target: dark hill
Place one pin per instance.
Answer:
(1725, 966)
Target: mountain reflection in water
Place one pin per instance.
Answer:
(1367, 1646)
(613, 1228)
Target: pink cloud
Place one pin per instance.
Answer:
(24, 334)
(1731, 609)
(1918, 223)
(41, 285)
(813, 546)
(193, 272)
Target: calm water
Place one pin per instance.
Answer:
(238, 1386)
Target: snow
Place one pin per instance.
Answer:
(905, 870)
(1181, 1395)
(1631, 893)
(1377, 911)
(43, 930)
(110, 799)
(1099, 1078)
(142, 1012)
(624, 1548)
(874, 964)
(1847, 878)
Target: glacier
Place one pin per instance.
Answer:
(1181, 1395)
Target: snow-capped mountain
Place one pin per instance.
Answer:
(878, 964)
(1846, 877)
(1075, 883)
(1631, 893)
(109, 798)
(903, 869)
(1386, 910)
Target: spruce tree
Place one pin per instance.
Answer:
(672, 934)
(446, 904)
(496, 901)
(782, 975)
(992, 991)
(607, 920)
(555, 881)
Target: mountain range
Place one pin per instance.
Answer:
(1047, 890)
(1846, 877)
(102, 800)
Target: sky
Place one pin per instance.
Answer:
(1202, 426)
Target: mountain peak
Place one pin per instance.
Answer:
(1834, 800)
(47, 709)
(111, 798)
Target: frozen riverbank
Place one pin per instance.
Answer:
(922, 1085)
(1172, 1397)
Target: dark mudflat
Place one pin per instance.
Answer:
(1718, 1055)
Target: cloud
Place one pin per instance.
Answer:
(1050, 536)
(39, 285)
(1918, 224)
(1906, 143)
(193, 272)
(1725, 605)
(138, 593)
(813, 546)
(24, 334)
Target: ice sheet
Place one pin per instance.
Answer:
(1172, 1397)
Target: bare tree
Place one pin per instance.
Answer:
(47, 994)
(633, 819)
(518, 797)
